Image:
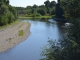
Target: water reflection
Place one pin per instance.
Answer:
(30, 49)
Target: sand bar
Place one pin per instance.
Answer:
(9, 36)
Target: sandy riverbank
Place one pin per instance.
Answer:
(9, 36)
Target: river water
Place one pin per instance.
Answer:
(30, 49)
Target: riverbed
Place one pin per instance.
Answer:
(40, 32)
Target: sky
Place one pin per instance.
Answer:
(24, 3)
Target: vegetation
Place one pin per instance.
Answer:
(59, 10)
(21, 33)
(7, 13)
(66, 49)
(13, 23)
(36, 17)
(69, 47)
(48, 9)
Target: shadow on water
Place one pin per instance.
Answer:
(53, 47)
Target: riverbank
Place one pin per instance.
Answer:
(13, 34)
(37, 17)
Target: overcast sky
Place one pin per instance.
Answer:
(24, 3)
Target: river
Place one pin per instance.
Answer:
(30, 49)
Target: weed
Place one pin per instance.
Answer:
(21, 33)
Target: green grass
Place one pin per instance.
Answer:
(37, 17)
(21, 33)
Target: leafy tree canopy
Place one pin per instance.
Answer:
(8, 14)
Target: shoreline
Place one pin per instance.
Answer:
(9, 36)
(40, 17)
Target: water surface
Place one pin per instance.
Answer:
(30, 49)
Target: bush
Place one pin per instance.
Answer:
(3, 20)
(7, 13)
(38, 14)
(21, 33)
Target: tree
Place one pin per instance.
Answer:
(71, 8)
(35, 6)
(47, 4)
(59, 11)
(53, 11)
(42, 11)
(52, 4)
(7, 13)
(3, 9)
(29, 7)
(13, 11)
(69, 48)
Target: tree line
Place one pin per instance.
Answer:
(8, 14)
(48, 8)
(69, 47)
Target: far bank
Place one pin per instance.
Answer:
(37, 17)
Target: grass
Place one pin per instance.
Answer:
(13, 23)
(21, 33)
(37, 17)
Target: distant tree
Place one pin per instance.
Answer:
(42, 11)
(46, 9)
(53, 11)
(52, 4)
(29, 7)
(35, 6)
(34, 12)
(59, 11)
(47, 4)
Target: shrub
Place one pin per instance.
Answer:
(21, 33)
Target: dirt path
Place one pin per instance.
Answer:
(9, 36)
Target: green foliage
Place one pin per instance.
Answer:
(21, 33)
(10, 17)
(51, 51)
(59, 11)
(52, 4)
(3, 9)
(13, 11)
(47, 8)
(69, 47)
(42, 11)
(7, 13)
(35, 6)
(3, 20)
(72, 42)
(47, 3)
(38, 14)
(71, 8)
